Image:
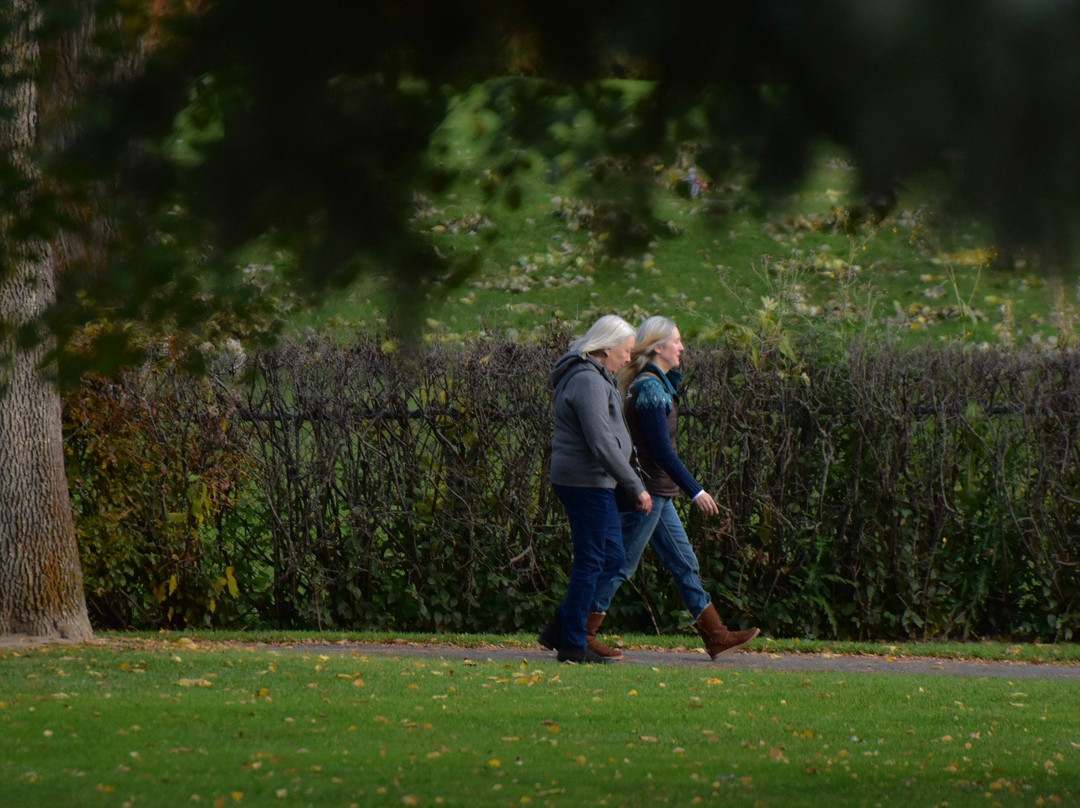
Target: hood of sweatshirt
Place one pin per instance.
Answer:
(571, 364)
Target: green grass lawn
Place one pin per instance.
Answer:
(176, 722)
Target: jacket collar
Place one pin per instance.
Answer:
(671, 380)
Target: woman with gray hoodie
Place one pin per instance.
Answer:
(590, 455)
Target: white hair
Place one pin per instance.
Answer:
(610, 331)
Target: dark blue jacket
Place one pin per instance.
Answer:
(652, 412)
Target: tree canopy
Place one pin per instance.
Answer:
(309, 129)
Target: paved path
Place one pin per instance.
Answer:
(747, 661)
(843, 664)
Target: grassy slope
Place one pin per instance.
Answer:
(903, 277)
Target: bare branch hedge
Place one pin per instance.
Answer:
(870, 492)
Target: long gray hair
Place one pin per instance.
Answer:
(651, 337)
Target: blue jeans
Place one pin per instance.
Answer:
(663, 529)
(598, 552)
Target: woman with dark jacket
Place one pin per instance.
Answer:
(590, 454)
(652, 382)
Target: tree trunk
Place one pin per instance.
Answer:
(41, 585)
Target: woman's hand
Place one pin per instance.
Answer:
(644, 502)
(707, 504)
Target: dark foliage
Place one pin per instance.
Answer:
(309, 129)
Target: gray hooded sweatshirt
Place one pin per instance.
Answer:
(591, 446)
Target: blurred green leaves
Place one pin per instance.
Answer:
(213, 136)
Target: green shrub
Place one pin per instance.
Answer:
(154, 468)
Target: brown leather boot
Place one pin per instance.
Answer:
(718, 640)
(592, 625)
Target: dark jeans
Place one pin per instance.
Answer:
(596, 531)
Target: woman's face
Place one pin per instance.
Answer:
(669, 355)
(617, 357)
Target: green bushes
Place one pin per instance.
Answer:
(870, 492)
(155, 468)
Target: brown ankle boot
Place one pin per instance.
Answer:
(592, 625)
(718, 640)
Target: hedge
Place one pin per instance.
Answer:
(868, 491)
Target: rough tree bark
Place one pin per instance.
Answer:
(41, 585)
